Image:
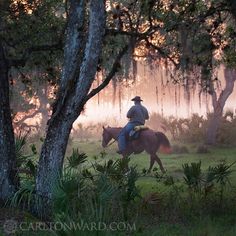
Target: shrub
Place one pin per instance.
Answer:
(193, 175)
(202, 149)
(107, 191)
(177, 149)
(194, 129)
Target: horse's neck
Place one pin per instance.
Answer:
(115, 132)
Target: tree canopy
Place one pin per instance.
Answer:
(72, 41)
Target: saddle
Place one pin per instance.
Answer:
(135, 132)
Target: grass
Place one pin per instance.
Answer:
(153, 222)
(203, 225)
(172, 163)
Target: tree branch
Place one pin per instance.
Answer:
(162, 53)
(109, 76)
(21, 121)
(134, 33)
(26, 55)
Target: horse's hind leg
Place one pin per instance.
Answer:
(152, 161)
(154, 158)
(158, 160)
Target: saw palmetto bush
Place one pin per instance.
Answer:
(193, 175)
(25, 163)
(102, 193)
(207, 189)
(25, 197)
(76, 158)
(20, 143)
(106, 191)
(220, 174)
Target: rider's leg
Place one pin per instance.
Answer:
(122, 139)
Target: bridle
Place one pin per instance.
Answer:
(108, 145)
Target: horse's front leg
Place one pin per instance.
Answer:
(125, 155)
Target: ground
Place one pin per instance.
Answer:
(172, 163)
(199, 226)
(221, 225)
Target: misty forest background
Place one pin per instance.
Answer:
(69, 67)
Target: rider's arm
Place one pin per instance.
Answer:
(130, 112)
(146, 114)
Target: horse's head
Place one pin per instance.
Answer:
(106, 136)
(164, 143)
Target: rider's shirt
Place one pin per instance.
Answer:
(138, 113)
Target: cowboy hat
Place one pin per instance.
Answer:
(137, 98)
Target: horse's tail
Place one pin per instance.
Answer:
(163, 142)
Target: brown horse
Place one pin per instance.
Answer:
(149, 140)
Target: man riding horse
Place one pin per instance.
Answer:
(137, 115)
(149, 140)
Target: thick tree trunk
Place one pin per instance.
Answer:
(80, 65)
(213, 127)
(218, 105)
(51, 160)
(8, 179)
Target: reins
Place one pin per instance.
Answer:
(111, 143)
(113, 140)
